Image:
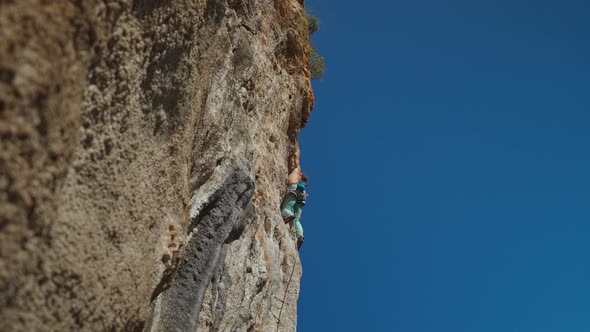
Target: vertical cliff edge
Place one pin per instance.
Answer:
(144, 151)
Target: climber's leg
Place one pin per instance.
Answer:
(287, 207)
(298, 208)
(298, 227)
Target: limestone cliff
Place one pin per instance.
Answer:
(144, 150)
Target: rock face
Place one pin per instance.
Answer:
(144, 150)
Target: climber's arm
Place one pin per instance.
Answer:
(297, 156)
(295, 175)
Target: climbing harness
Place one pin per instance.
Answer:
(298, 190)
(286, 289)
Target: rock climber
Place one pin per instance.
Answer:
(294, 200)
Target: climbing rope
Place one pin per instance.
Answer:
(286, 289)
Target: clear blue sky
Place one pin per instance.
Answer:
(449, 164)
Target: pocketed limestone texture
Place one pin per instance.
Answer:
(143, 156)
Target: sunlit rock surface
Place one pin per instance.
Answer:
(143, 157)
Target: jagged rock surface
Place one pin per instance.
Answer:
(143, 156)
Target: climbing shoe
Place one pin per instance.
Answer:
(299, 242)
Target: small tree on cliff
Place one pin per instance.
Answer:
(317, 63)
(312, 23)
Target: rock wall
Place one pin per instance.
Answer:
(144, 150)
